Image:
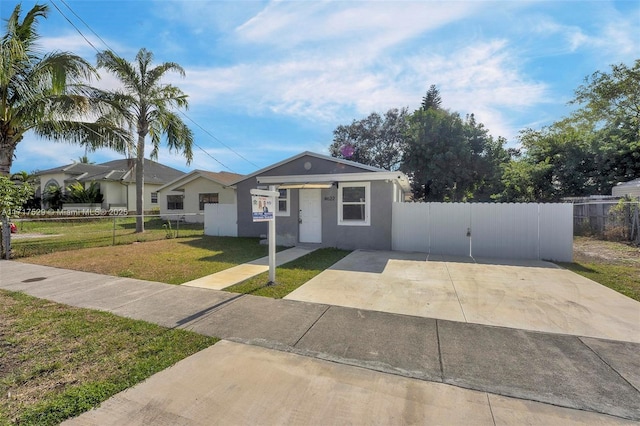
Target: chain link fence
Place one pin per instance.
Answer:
(40, 235)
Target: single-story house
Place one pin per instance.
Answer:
(117, 181)
(188, 194)
(324, 200)
(629, 189)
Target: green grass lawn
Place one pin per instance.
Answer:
(624, 279)
(58, 361)
(173, 261)
(291, 275)
(55, 235)
(610, 263)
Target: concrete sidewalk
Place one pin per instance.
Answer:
(588, 374)
(237, 274)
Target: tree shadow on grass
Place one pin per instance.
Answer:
(577, 267)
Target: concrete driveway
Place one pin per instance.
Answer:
(529, 295)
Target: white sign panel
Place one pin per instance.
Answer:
(262, 208)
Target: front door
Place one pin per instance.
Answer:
(310, 216)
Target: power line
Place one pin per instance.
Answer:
(181, 112)
(73, 25)
(219, 141)
(85, 24)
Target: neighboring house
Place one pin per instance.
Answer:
(188, 194)
(630, 189)
(117, 181)
(325, 200)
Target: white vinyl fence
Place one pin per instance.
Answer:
(220, 220)
(510, 231)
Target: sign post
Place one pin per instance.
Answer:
(263, 207)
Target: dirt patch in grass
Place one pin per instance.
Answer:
(617, 253)
(58, 361)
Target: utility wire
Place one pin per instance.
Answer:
(218, 140)
(85, 24)
(181, 112)
(73, 25)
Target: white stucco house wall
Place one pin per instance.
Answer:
(187, 195)
(117, 180)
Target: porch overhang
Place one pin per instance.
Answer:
(327, 180)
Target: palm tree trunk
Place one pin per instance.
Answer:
(140, 185)
(7, 148)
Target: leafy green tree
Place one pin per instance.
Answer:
(145, 104)
(451, 159)
(13, 196)
(610, 109)
(375, 140)
(437, 157)
(588, 152)
(608, 98)
(45, 93)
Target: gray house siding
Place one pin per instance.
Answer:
(377, 235)
(286, 226)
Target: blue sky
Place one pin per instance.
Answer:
(269, 79)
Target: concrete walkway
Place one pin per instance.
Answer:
(414, 367)
(237, 274)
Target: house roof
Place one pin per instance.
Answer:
(631, 183)
(221, 178)
(116, 170)
(364, 167)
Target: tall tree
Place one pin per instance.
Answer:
(46, 93)
(588, 152)
(432, 99)
(437, 157)
(145, 104)
(451, 159)
(375, 140)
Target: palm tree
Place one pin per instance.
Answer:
(47, 93)
(146, 105)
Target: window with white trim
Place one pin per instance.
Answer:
(154, 198)
(354, 203)
(283, 203)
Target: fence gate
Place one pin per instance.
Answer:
(221, 220)
(516, 231)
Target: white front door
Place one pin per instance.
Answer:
(310, 216)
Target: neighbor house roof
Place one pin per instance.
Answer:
(116, 170)
(364, 167)
(221, 178)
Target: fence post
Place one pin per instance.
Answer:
(6, 237)
(114, 232)
(178, 227)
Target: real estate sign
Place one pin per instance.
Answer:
(262, 208)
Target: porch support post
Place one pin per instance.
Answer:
(272, 244)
